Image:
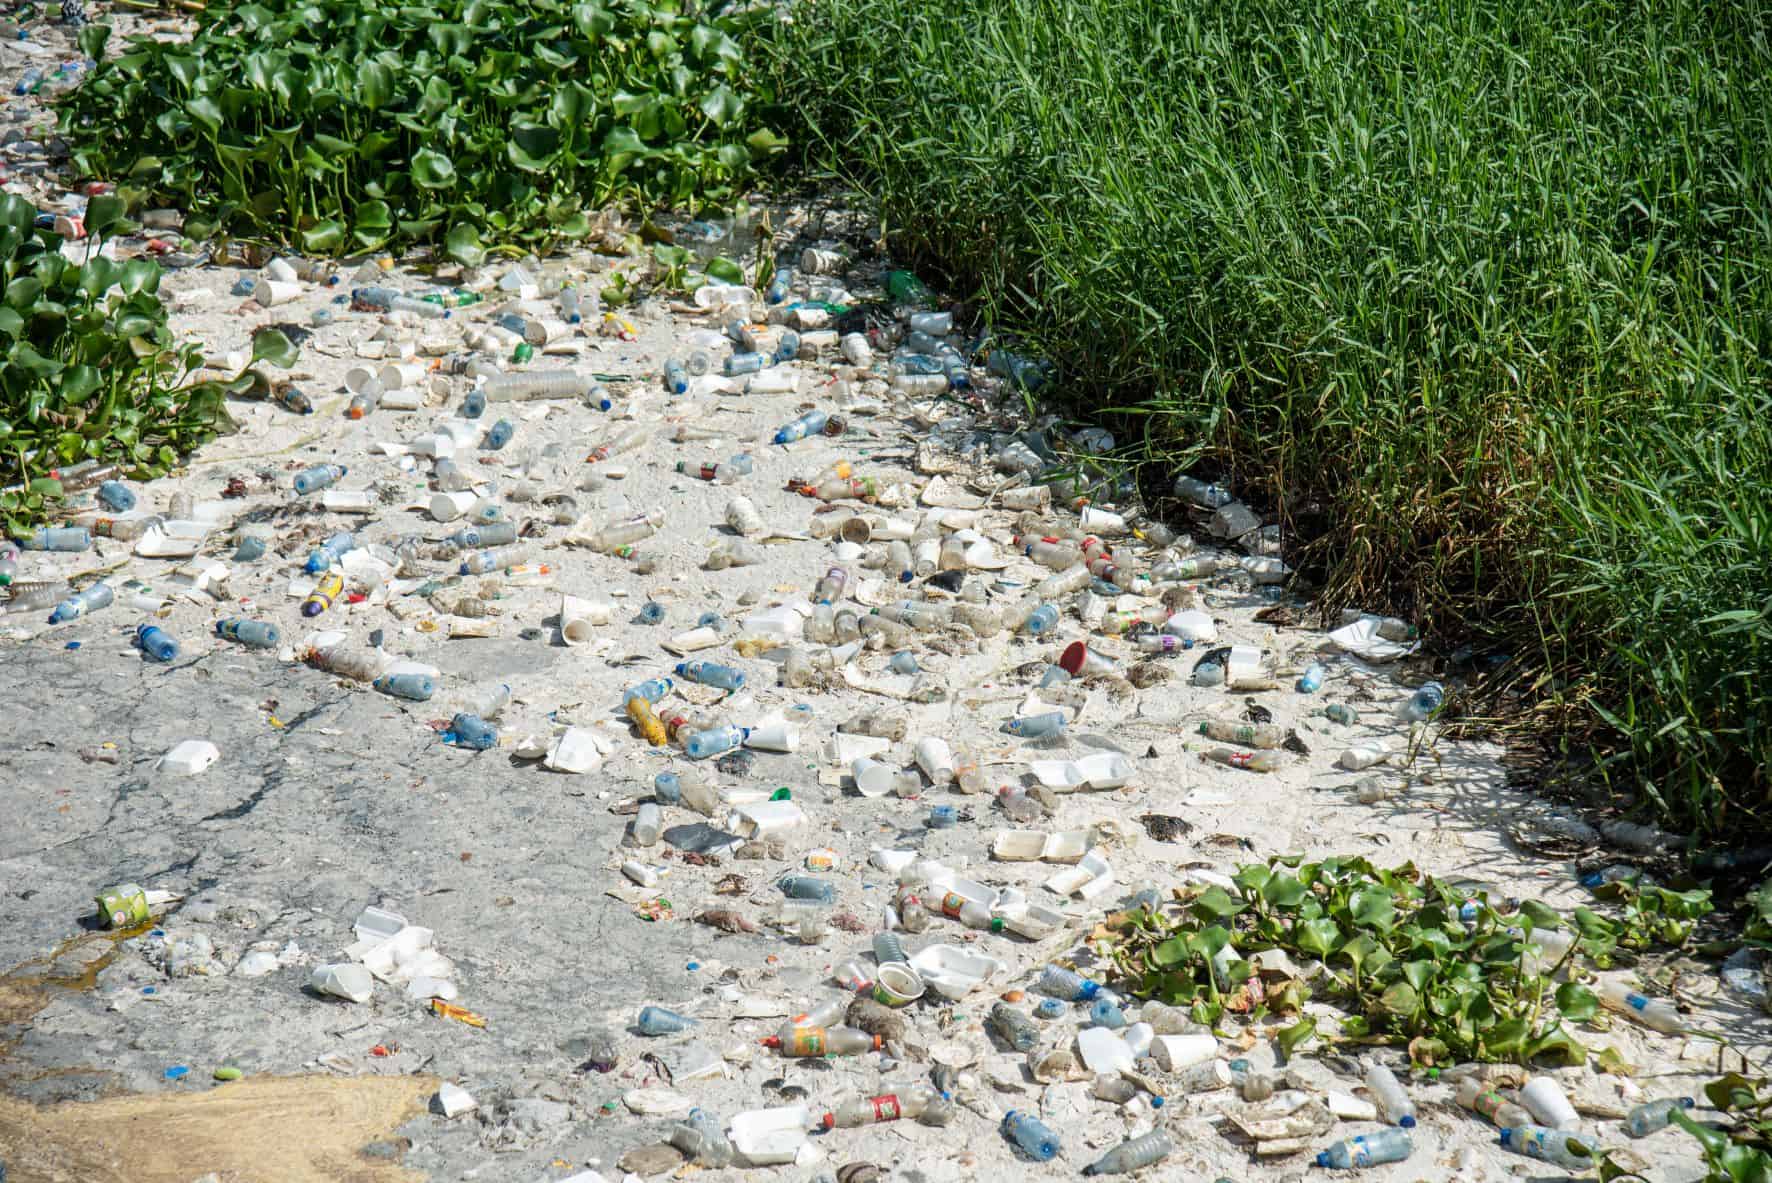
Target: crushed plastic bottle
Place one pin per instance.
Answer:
(471, 731)
(911, 1102)
(702, 1137)
(329, 552)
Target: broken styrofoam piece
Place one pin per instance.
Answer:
(157, 542)
(765, 817)
(891, 861)
(577, 749)
(455, 1100)
(1066, 846)
(845, 749)
(1102, 1050)
(1034, 921)
(343, 980)
(1098, 770)
(376, 925)
(424, 988)
(189, 758)
(1362, 640)
(1091, 876)
(954, 972)
(770, 1137)
(406, 955)
(1192, 625)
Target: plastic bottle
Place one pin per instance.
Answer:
(1057, 982)
(1131, 1156)
(499, 436)
(1340, 712)
(1388, 1093)
(656, 1020)
(779, 285)
(326, 591)
(155, 643)
(648, 824)
(329, 552)
(1491, 1104)
(1424, 702)
(474, 405)
(972, 913)
(1055, 553)
(876, 723)
(58, 538)
(703, 1138)
(626, 441)
(379, 299)
(471, 731)
(1017, 1030)
(1164, 1019)
(724, 473)
(1250, 735)
(739, 364)
(676, 378)
(1037, 726)
(1312, 680)
(498, 559)
(646, 720)
(116, 497)
(1651, 1012)
(829, 588)
(9, 553)
(1566, 1150)
(787, 348)
(1251, 761)
(811, 423)
(255, 634)
(824, 1041)
(860, 1111)
(99, 595)
(489, 534)
(416, 687)
(1031, 1134)
(1368, 1150)
(1104, 1012)
(1202, 493)
(808, 887)
(534, 384)
(624, 531)
(734, 552)
(1041, 620)
(705, 744)
(1650, 1116)
(321, 476)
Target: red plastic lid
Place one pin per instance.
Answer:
(1071, 660)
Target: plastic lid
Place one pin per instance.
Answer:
(1071, 660)
(1323, 1159)
(1407, 1121)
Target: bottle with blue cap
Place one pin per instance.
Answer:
(704, 744)
(811, 423)
(471, 731)
(1368, 1150)
(652, 690)
(99, 595)
(416, 687)
(330, 552)
(710, 673)
(1032, 1135)
(255, 634)
(321, 476)
(1390, 1096)
(1055, 981)
(154, 642)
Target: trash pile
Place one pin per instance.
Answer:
(870, 669)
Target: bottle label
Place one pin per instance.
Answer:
(951, 903)
(1359, 1152)
(807, 1041)
(1240, 759)
(886, 1108)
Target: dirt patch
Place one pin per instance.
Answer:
(301, 1129)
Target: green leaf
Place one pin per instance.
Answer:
(1317, 936)
(270, 345)
(375, 85)
(1577, 1002)
(1290, 1038)
(463, 245)
(1215, 903)
(1171, 952)
(1400, 999)
(725, 270)
(104, 212)
(432, 169)
(323, 238)
(1373, 908)
(1283, 891)
(1541, 916)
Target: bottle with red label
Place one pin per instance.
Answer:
(910, 1102)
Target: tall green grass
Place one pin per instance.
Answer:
(1476, 294)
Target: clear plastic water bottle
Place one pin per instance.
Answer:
(99, 595)
(321, 476)
(255, 634)
(474, 405)
(779, 285)
(667, 789)
(1567, 1150)
(488, 534)
(1036, 726)
(811, 423)
(1650, 1116)
(787, 348)
(330, 552)
(500, 435)
(1135, 1154)
(1368, 1150)
(1312, 681)
(1032, 1135)
(156, 644)
(471, 731)
(1424, 702)
(652, 690)
(705, 744)
(656, 1020)
(1041, 620)
(739, 364)
(1057, 982)
(808, 887)
(58, 538)
(648, 825)
(710, 673)
(676, 377)
(414, 687)
(1393, 1100)
(1202, 493)
(703, 1138)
